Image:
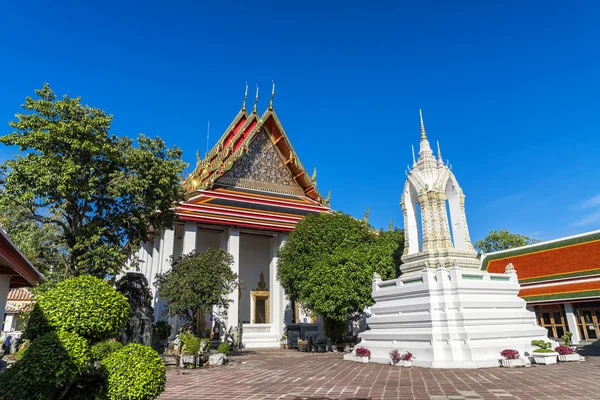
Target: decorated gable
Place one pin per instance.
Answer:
(261, 168)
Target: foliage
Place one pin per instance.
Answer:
(92, 190)
(50, 361)
(162, 330)
(84, 305)
(567, 338)
(196, 282)
(328, 263)
(191, 343)
(362, 352)
(406, 356)
(22, 349)
(223, 348)
(101, 350)
(135, 372)
(510, 354)
(542, 346)
(502, 240)
(564, 350)
(395, 356)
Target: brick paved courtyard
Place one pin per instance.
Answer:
(288, 374)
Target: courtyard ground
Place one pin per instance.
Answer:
(288, 374)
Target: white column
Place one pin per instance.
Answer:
(4, 288)
(572, 323)
(189, 237)
(276, 295)
(233, 248)
(155, 263)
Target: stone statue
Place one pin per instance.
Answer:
(139, 328)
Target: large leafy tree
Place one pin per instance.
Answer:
(328, 261)
(91, 190)
(502, 240)
(195, 283)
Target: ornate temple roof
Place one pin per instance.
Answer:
(252, 177)
(562, 269)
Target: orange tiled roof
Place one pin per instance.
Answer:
(19, 294)
(564, 258)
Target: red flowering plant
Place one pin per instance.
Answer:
(510, 354)
(564, 350)
(395, 356)
(363, 352)
(406, 356)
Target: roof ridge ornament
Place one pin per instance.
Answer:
(255, 101)
(245, 97)
(423, 135)
(272, 95)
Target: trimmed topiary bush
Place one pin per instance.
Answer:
(135, 372)
(84, 305)
(223, 348)
(51, 361)
(101, 350)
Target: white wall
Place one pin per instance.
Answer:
(4, 288)
(255, 257)
(207, 240)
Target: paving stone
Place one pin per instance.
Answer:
(291, 375)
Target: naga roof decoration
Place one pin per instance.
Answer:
(562, 269)
(237, 142)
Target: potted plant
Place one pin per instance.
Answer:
(190, 349)
(284, 341)
(363, 353)
(566, 353)
(544, 353)
(511, 359)
(402, 360)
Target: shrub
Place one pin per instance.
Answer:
(223, 348)
(191, 343)
(395, 356)
(22, 349)
(135, 372)
(543, 347)
(51, 361)
(567, 338)
(84, 305)
(100, 350)
(510, 354)
(363, 352)
(163, 330)
(564, 350)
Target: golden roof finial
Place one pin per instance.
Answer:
(314, 175)
(328, 199)
(272, 95)
(366, 217)
(423, 135)
(245, 97)
(255, 101)
(391, 226)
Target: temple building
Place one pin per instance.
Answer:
(16, 272)
(244, 197)
(560, 280)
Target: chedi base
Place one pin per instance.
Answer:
(450, 318)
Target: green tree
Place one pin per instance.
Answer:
(327, 264)
(95, 191)
(502, 240)
(195, 283)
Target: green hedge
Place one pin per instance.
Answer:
(135, 372)
(51, 361)
(101, 350)
(84, 305)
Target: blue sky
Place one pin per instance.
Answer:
(510, 89)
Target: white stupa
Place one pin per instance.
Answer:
(443, 308)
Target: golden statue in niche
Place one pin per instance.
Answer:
(260, 301)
